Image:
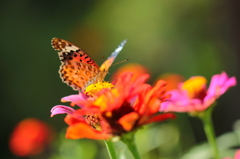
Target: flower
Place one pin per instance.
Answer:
(236, 156)
(172, 80)
(193, 95)
(30, 137)
(92, 89)
(76, 99)
(114, 112)
(135, 68)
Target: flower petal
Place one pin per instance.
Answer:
(84, 130)
(180, 102)
(127, 121)
(161, 117)
(237, 154)
(75, 98)
(61, 109)
(220, 83)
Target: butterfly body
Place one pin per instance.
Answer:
(78, 70)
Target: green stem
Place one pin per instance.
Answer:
(209, 131)
(111, 150)
(128, 139)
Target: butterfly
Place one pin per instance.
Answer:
(78, 69)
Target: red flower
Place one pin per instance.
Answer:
(30, 137)
(113, 112)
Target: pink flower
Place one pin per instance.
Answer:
(193, 95)
(236, 156)
(74, 99)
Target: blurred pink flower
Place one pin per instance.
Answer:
(236, 156)
(193, 95)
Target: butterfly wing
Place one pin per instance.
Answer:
(78, 70)
(79, 75)
(70, 52)
(106, 64)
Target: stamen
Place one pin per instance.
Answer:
(93, 120)
(92, 89)
(195, 86)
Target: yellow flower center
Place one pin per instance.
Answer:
(104, 101)
(195, 86)
(92, 89)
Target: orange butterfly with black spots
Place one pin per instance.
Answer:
(78, 69)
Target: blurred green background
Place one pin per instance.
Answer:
(186, 37)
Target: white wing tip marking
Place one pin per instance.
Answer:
(118, 49)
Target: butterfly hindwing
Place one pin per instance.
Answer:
(79, 75)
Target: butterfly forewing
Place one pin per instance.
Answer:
(70, 52)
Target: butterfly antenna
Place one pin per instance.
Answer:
(120, 62)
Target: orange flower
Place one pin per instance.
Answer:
(135, 68)
(30, 137)
(172, 80)
(113, 112)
